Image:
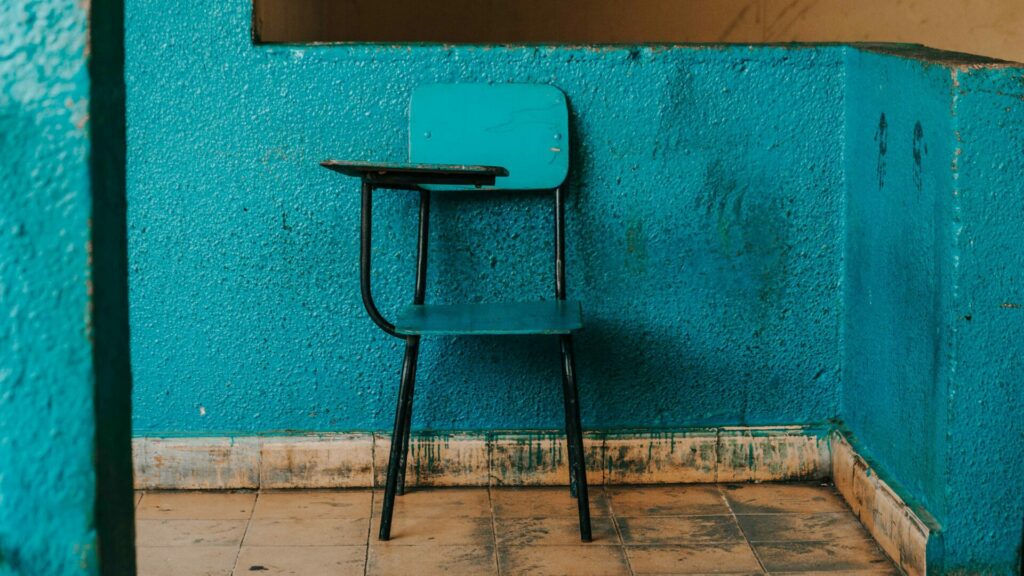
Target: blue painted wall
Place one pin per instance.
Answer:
(985, 455)
(47, 483)
(704, 235)
(899, 222)
(752, 242)
(932, 379)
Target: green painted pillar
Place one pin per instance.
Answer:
(65, 459)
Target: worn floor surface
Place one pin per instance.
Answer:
(694, 529)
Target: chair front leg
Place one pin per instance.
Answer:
(418, 298)
(398, 445)
(575, 429)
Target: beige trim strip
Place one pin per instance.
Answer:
(732, 454)
(897, 528)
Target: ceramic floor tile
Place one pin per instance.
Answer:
(544, 502)
(680, 530)
(430, 560)
(559, 531)
(732, 558)
(189, 532)
(821, 556)
(684, 529)
(313, 504)
(577, 560)
(194, 561)
(412, 531)
(195, 506)
(783, 498)
(834, 527)
(438, 502)
(698, 499)
(307, 532)
(301, 560)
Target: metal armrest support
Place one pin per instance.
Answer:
(366, 247)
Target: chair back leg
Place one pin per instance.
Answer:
(574, 430)
(404, 464)
(570, 434)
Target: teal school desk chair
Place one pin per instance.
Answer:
(477, 137)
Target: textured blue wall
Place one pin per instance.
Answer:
(932, 379)
(752, 243)
(985, 462)
(704, 235)
(899, 230)
(47, 485)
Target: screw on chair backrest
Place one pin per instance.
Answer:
(521, 127)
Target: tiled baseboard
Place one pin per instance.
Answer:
(729, 454)
(899, 529)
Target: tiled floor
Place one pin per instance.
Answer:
(696, 529)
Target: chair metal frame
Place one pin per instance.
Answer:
(420, 177)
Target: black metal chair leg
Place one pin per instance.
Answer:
(403, 467)
(412, 346)
(570, 433)
(574, 427)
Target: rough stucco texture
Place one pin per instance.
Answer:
(704, 235)
(932, 379)
(985, 479)
(898, 220)
(46, 423)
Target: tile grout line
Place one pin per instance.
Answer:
(746, 539)
(369, 527)
(494, 522)
(248, 522)
(618, 531)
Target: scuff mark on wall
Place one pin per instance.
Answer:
(919, 150)
(882, 137)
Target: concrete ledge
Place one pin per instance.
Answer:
(901, 532)
(492, 458)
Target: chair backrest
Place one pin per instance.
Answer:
(521, 127)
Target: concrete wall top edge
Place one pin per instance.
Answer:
(933, 55)
(902, 50)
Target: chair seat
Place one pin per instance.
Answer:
(554, 317)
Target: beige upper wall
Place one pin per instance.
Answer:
(988, 27)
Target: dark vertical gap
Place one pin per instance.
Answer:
(114, 510)
(254, 23)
